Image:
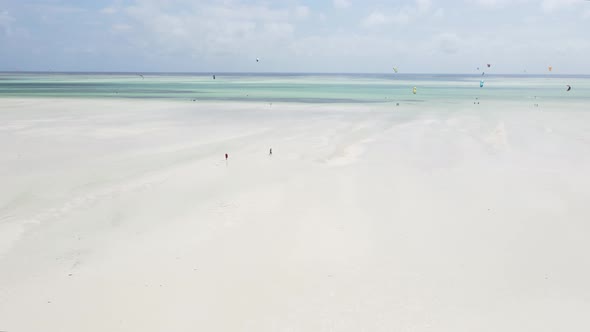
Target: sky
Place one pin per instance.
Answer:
(345, 36)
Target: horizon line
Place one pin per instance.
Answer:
(276, 73)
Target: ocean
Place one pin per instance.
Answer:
(297, 88)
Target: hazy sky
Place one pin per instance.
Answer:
(418, 36)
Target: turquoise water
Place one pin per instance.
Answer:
(306, 88)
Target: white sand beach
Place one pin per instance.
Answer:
(124, 216)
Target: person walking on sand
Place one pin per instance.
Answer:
(226, 156)
(270, 153)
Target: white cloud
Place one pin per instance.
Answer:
(375, 19)
(546, 5)
(201, 30)
(340, 4)
(448, 43)
(398, 16)
(302, 12)
(6, 22)
(54, 9)
(551, 5)
(495, 4)
(491, 3)
(423, 5)
(227, 34)
(121, 27)
(278, 29)
(109, 10)
(349, 45)
(439, 13)
(379, 19)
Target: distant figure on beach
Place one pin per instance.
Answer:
(270, 152)
(226, 156)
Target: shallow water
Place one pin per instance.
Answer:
(302, 88)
